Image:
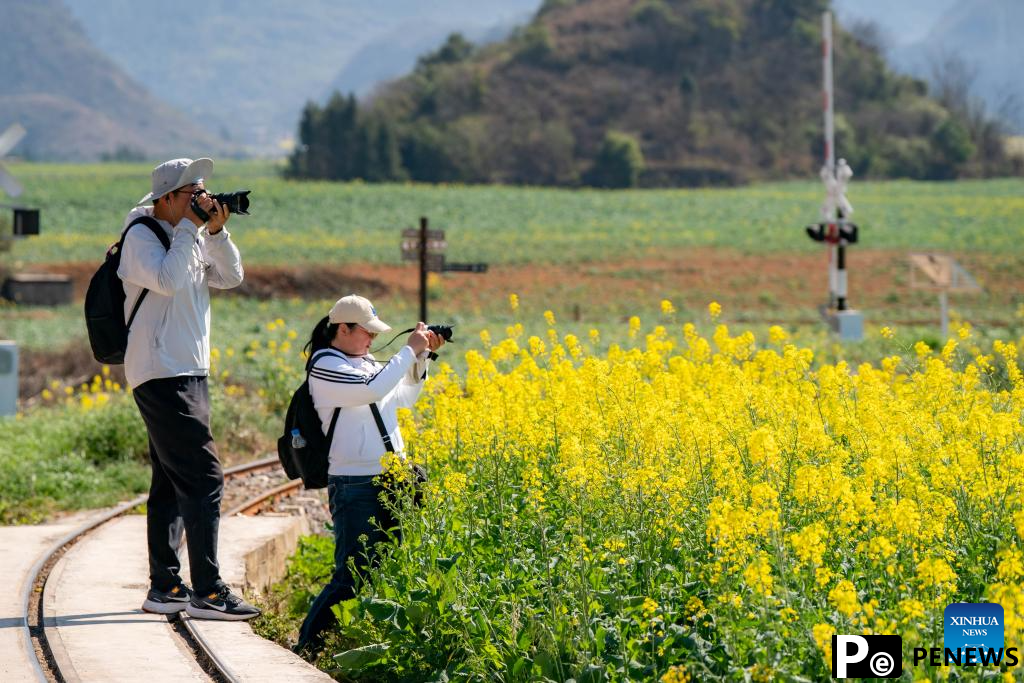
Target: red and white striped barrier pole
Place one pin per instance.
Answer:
(828, 171)
(835, 229)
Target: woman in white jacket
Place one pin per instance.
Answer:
(343, 376)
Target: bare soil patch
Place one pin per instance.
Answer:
(875, 278)
(878, 281)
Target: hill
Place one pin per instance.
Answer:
(75, 102)
(983, 33)
(903, 22)
(921, 35)
(655, 92)
(395, 53)
(248, 67)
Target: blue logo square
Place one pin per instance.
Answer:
(974, 625)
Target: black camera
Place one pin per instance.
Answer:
(443, 331)
(237, 202)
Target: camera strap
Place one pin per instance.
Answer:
(381, 428)
(381, 348)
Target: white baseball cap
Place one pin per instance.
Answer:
(177, 173)
(356, 309)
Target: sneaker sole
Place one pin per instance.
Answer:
(154, 607)
(216, 615)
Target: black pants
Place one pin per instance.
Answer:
(187, 483)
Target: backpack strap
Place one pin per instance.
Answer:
(380, 427)
(150, 223)
(330, 430)
(373, 406)
(317, 355)
(320, 353)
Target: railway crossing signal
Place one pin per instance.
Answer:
(25, 220)
(42, 289)
(835, 228)
(10, 137)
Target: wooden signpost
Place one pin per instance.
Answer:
(427, 247)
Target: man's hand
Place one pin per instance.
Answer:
(218, 216)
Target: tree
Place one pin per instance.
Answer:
(388, 157)
(952, 146)
(455, 49)
(618, 163)
(340, 136)
(305, 161)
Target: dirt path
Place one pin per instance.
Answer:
(878, 279)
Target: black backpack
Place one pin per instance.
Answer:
(303, 448)
(104, 301)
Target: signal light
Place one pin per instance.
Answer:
(819, 232)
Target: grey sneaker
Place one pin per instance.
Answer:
(167, 602)
(222, 604)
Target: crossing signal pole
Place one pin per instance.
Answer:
(835, 229)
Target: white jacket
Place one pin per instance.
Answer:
(353, 383)
(170, 335)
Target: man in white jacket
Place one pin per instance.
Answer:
(166, 364)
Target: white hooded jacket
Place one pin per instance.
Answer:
(352, 383)
(170, 335)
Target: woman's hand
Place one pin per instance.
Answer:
(419, 340)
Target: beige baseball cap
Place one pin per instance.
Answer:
(356, 309)
(176, 173)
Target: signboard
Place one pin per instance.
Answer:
(466, 267)
(436, 244)
(940, 272)
(426, 247)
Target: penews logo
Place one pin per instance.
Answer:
(867, 656)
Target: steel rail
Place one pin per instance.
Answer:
(64, 668)
(253, 505)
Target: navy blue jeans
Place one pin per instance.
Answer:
(354, 501)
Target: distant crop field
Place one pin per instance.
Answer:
(83, 207)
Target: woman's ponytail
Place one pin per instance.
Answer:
(323, 335)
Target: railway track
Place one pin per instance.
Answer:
(246, 493)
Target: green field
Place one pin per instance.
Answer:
(576, 233)
(83, 207)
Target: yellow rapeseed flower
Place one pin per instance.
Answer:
(634, 326)
(676, 674)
